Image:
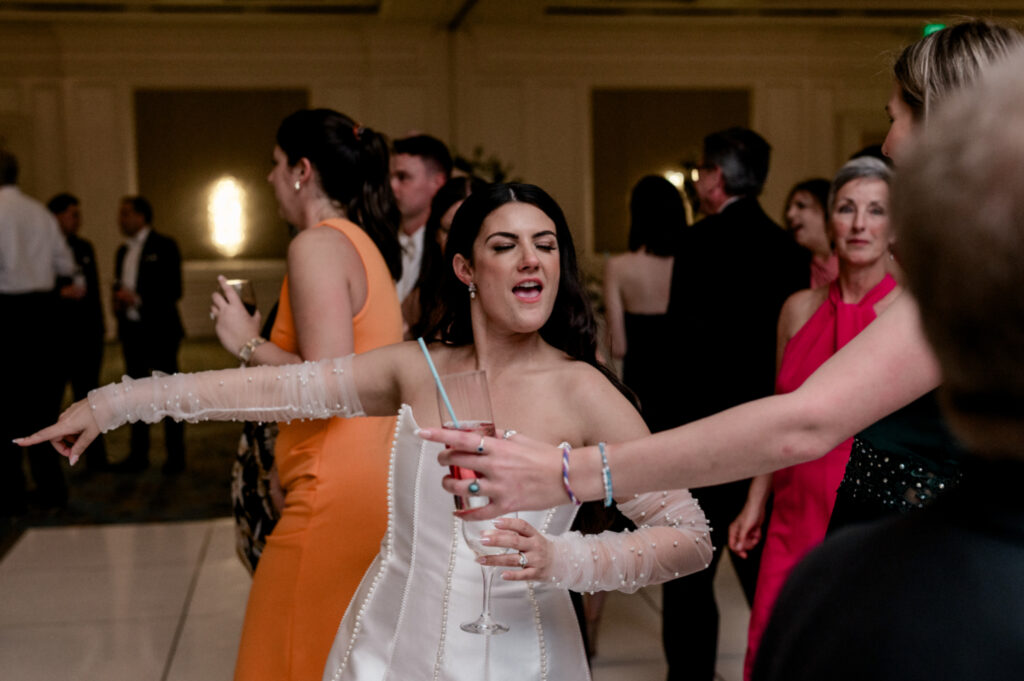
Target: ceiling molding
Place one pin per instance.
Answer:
(184, 7)
(760, 11)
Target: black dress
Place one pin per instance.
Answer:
(899, 464)
(643, 368)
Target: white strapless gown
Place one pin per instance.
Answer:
(403, 622)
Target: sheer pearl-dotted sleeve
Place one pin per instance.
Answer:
(671, 540)
(312, 390)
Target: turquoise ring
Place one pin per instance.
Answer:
(474, 487)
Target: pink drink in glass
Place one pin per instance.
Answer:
(481, 427)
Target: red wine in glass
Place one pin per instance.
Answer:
(246, 293)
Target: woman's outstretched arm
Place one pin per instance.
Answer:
(885, 367)
(355, 385)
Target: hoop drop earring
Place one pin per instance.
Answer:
(472, 291)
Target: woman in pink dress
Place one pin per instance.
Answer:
(813, 325)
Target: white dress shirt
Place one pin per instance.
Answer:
(412, 259)
(33, 252)
(130, 266)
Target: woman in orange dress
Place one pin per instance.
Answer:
(330, 178)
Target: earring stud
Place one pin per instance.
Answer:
(298, 185)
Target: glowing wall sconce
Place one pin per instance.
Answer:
(676, 177)
(226, 210)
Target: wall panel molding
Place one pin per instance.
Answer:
(522, 91)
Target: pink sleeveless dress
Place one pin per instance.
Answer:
(803, 495)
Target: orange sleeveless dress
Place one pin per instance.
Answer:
(335, 477)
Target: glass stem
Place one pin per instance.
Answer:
(488, 574)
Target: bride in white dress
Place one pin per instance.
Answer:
(515, 307)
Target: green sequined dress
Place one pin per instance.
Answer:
(900, 464)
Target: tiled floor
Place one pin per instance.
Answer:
(164, 602)
(629, 645)
(141, 602)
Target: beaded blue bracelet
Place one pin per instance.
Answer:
(566, 447)
(606, 475)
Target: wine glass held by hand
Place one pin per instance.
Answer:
(482, 538)
(510, 258)
(464, 404)
(246, 293)
(233, 311)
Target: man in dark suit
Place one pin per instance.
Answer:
(146, 294)
(733, 270)
(80, 309)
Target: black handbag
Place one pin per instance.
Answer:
(252, 500)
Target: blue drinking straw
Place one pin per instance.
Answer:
(437, 379)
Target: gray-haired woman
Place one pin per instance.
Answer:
(813, 325)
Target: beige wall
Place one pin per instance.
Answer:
(522, 93)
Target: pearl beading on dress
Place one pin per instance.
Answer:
(538, 624)
(446, 602)
(535, 607)
(386, 553)
(415, 506)
(895, 480)
(446, 599)
(656, 551)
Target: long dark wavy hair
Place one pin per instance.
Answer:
(571, 324)
(353, 165)
(571, 327)
(433, 263)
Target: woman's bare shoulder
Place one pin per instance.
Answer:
(616, 264)
(599, 404)
(583, 375)
(446, 358)
(799, 308)
(590, 390)
(562, 376)
(404, 361)
(317, 239)
(321, 254)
